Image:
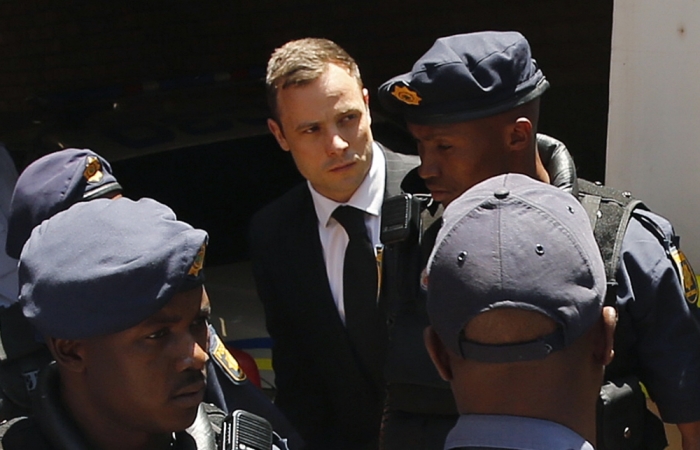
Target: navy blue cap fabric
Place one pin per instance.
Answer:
(466, 77)
(51, 184)
(104, 266)
(514, 242)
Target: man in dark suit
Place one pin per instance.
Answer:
(328, 339)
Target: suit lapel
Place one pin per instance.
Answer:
(309, 262)
(313, 295)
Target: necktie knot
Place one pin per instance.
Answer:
(352, 219)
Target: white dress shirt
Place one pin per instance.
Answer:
(368, 197)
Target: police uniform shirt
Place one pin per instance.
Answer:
(512, 432)
(659, 316)
(368, 197)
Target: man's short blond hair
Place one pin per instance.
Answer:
(302, 61)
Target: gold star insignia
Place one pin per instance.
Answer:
(198, 261)
(93, 170)
(406, 95)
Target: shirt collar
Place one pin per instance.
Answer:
(368, 197)
(524, 433)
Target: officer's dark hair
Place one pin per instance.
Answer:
(302, 61)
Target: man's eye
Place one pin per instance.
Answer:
(349, 118)
(310, 130)
(201, 321)
(158, 334)
(444, 147)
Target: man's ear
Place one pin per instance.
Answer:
(438, 353)
(604, 348)
(520, 134)
(365, 97)
(276, 130)
(68, 353)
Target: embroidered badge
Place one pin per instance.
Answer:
(687, 276)
(93, 170)
(406, 95)
(198, 261)
(225, 360)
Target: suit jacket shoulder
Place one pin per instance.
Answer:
(275, 216)
(397, 166)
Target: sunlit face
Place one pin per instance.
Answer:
(455, 157)
(325, 124)
(151, 377)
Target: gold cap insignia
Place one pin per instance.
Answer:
(93, 170)
(198, 261)
(406, 95)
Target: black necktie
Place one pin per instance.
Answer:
(363, 319)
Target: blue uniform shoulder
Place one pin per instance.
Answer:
(662, 229)
(659, 323)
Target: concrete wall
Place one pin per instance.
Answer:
(654, 125)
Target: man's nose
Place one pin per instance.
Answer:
(194, 356)
(429, 167)
(336, 144)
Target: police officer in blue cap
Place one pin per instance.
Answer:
(52, 184)
(515, 297)
(472, 103)
(49, 185)
(119, 301)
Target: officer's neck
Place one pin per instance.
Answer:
(103, 432)
(125, 441)
(540, 171)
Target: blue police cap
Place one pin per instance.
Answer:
(106, 265)
(51, 184)
(514, 242)
(466, 77)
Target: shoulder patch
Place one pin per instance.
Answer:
(687, 276)
(225, 360)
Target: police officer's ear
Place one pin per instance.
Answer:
(68, 353)
(521, 126)
(604, 346)
(438, 353)
(520, 134)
